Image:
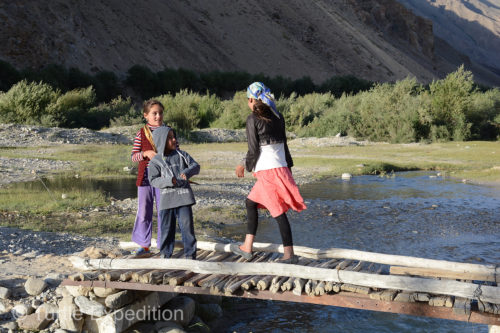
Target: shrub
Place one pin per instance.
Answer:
(72, 109)
(484, 115)
(234, 112)
(143, 81)
(106, 85)
(26, 102)
(451, 100)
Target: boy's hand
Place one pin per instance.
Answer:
(240, 171)
(148, 154)
(174, 181)
(183, 176)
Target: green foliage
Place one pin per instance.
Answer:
(234, 112)
(26, 102)
(187, 110)
(450, 101)
(348, 84)
(72, 109)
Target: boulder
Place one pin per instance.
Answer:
(49, 309)
(209, 311)
(168, 327)
(76, 291)
(5, 293)
(120, 299)
(34, 322)
(21, 310)
(34, 286)
(92, 308)
(70, 318)
(180, 310)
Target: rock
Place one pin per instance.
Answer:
(60, 330)
(93, 253)
(35, 286)
(346, 176)
(181, 309)
(198, 325)
(4, 307)
(21, 310)
(142, 327)
(36, 303)
(54, 279)
(168, 327)
(104, 292)
(4, 293)
(70, 318)
(76, 291)
(11, 326)
(49, 309)
(34, 322)
(207, 299)
(209, 312)
(120, 299)
(89, 307)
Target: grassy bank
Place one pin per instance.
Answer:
(39, 209)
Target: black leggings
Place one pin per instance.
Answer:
(283, 224)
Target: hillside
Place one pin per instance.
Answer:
(378, 40)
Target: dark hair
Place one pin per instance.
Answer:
(149, 103)
(261, 110)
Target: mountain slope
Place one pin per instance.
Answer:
(378, 40)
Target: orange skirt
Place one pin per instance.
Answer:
(276, 191)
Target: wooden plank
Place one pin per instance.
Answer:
(440, 273)
(455, 288)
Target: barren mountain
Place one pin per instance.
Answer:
(379, 40)
(471, 26)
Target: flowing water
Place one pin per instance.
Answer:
(414, 214)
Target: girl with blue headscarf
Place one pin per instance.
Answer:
(270, 161)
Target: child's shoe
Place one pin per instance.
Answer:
(141, 253)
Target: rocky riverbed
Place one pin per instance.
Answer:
(26, 255)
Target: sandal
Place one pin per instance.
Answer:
(292, 260)
(236, 250)
(141, 253)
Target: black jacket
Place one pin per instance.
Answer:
(262, 133)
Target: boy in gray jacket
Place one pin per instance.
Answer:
(170, 171)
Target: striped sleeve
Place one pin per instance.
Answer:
(136, 149)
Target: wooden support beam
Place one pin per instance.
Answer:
(440, 287)
(347, 300)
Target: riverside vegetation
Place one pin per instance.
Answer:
(427, 126)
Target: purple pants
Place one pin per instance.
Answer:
(143, 227)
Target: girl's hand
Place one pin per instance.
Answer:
(148, 154)
(183, 176)
(174, 181)
(240, 171)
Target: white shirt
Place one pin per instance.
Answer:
(271, 157)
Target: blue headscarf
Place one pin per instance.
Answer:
(259, 91)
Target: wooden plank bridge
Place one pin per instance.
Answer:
(338, 277)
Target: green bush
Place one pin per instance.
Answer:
(72, 109)
(122, 111)
(187, 110)
(234, 112)
(26, 102)
(450, 102)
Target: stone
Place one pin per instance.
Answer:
(54, 279)
(34, 286)
(181, 309)
(34, 322)
(142, 327)
(70, 317)
(36, 303)
(76, 291)
(104, 292)
(346, 176)
(123, 318)
(5, 293)
(11, 326)
(49, 309)
(21, 310)
(209, 312)
(4, 307)
(169, 327)
(199, 325)
(207, 299)
(60, 330)
(120, 299)
(92, 308)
